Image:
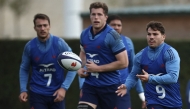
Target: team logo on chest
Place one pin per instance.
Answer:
(47, 67)
(92, 56)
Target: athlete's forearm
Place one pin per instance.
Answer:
(172, 75)
(23, 78)
(139, 87)
(82, 55)
(131, 81)
(121, 62)
(164, 79)
(68, 79)
(24, 70)
(81, 81)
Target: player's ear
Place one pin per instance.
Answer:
(106, 17)
(163, 36)
(35, 28)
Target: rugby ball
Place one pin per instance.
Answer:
(69, 61)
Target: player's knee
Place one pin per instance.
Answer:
(84, 106)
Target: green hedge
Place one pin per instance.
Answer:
(11, 52)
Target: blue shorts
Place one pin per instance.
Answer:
(124, 102)
(104, 97)
(38, 101)
(156, 106)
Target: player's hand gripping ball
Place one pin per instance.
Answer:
(69, 61)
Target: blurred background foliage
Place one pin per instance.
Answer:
(18, 7)
(11, 52)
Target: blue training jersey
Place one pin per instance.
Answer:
(101, 49)
(47, 76)
(124, 72)
(163, 65)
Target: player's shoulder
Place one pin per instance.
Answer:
(113, 34)
(27, 45)
(59, 39)
(138, 56)
(86, 30)
(126, 37)
(140, 52)
(30, 42)
(60, 42)
(55, 36)
(112, 31)
(170, 49)
(171, 53)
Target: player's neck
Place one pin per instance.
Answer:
(44, 39)
(97, 30)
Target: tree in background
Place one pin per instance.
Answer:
(19, 7)
(2, 4)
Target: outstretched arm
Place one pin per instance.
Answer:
(131, 79)
(24, 73)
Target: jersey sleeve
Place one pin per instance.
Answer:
(63, 46)
(81, 81)
(139, 87)
(172, 64)
(140, 90)
(114, 41)
(81, 45)
(70, 76)
(132, 53)
(24, 68)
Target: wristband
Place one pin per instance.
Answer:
(141, 96)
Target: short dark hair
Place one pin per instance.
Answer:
(41, 16)
(155, 25)
(99, 5)
(113, 17)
